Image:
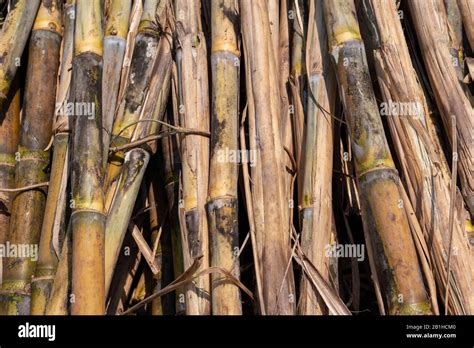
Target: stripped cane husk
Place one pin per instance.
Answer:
(448, 92)
(316, 205)
(54, 221)
(115, 41)
(396, 261)
(421, 158)
(272, 231)
(35, 134)
(222, 205)
(87, 219)
(192, 66)
(13, 37)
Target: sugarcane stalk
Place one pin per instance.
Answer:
(115, 40)
(59, 296)
(420, 153)
(449, 94)
(54, 220)
(396, 260)
(9, 137)
(87, 218)
(466, 8)
(192, 66)
(316, 205)
(223, 174)
(269, 201)
(35, 134)
(172, 169)
(129, 110)
(13, 37)
(121, 209)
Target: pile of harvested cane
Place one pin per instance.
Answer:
(236, 157)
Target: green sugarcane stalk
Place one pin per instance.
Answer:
(87, 219)
(35, 134)
(397, 265)
(222, 203)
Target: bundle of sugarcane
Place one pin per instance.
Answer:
(32, 160)
(160, 176)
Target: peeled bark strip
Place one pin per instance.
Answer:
(13, 37)
(396, 261)
(264, 113)
(222, 204)
(316, 204)
(115, 40)
(421, 157)
(192, 66)
(449, 94)
(87, 219)
(35, 134)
